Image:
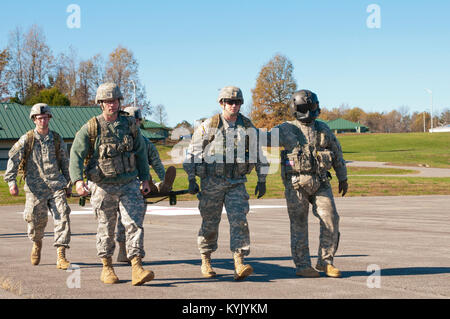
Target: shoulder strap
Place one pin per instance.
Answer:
(214, 125)
(29, 144)
(133, 126)
(92, 127)
(247, 121)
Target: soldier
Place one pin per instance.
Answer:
(115, 156)
(214, 156)
(310, 150)
(164, 186)
(41, 156)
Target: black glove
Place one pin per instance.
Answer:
(260, 189)
(193, 187)
(343, 187)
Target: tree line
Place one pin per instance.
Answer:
(275, 84)
(30, 73)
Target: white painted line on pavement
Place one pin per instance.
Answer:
(171, 211)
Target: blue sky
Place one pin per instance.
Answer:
(188, 50)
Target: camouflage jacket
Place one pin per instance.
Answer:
(208, 141)
(81, 145)
(317, 134)
(42, 168)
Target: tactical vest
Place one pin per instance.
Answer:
(28, 148)
(115, 155)
(230, 170)
(307, 165)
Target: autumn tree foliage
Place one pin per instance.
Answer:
(28, 67)
(274, 86)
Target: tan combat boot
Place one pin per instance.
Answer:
(307, 273)
(241, 271)
(61, 261)
(36, 252)
(207, 270)
(122, 255)
(330, 270)
(138, 274)
(108, 275)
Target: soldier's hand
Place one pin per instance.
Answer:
(82, 188)
(260, 189)
(14, 190)
(145, 187)
(343, 187)
(193, 187)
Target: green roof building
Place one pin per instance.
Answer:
(344, 126)
(67, 120)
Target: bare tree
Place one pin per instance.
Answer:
(30, 62)
(122, 69)
(161, 114)
(3, 79)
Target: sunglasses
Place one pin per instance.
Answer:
(231, 101)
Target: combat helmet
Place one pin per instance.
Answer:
(304, 105)
(40, 108)
(134, 112)
(108, 91)
(232, 93)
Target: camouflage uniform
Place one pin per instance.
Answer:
(221, 184)
(117, 194)
(155, 162)
(306, 180)
(45, 184)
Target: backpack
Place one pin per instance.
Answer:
(29, 144)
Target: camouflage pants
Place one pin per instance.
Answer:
(109, 200)
(215, 193)
(324, 208)
(120, 232)
(36, 215)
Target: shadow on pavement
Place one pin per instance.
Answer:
(409, 271)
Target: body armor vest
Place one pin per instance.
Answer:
(235, 169)
(115, 150)
(307, 165)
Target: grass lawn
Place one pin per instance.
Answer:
(432, 149)
(402, 149)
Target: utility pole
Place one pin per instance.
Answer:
(431, 94)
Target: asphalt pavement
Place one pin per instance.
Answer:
(391, 247)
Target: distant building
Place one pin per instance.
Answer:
(67, 120)
(344, 126)
(440, 129)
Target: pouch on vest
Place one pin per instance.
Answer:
(110, 162)
(94, 174)
(306, 161)
(309, 183)
(325, 159)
